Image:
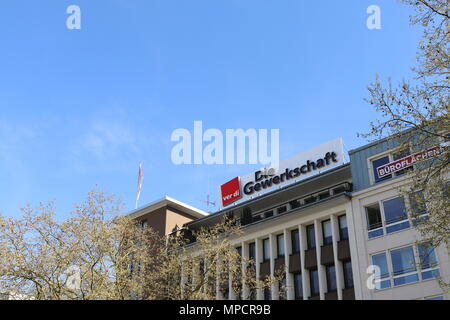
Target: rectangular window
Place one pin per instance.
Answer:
(327, 234)
(143, 224)
(280, 245)
(311, 237)
(331, 278)
(381, 261)
(267, 294)
(266, 249)
(343, 229)
(282, 289)
(428, 261)
(348, 274)
(401, 154)
(374, 222)
(378, 163)
(404, 266)
(417, 203)
(295, 239)
(395, 215)
(251, 251)
(314, 282)
(298, 286)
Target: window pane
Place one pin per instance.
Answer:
(280, 245)
(327, 235)
(266, 249)
(399, 155)
(331, 278)
(267, 295)
(394, 210)
(314, 279)
(298, 286)
(403, 260)
(377, 163)
(374, 217)
(295, 238)
(380, 261)
(251, 251)
(343, 230)
(427, 256)
(417, 202)
(311, 237)
(435, 298)
(406, 279)
(434, 273)
(397, 226)
(348, 274)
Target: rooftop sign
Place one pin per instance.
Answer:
(296, 168)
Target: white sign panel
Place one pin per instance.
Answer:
(301, 166)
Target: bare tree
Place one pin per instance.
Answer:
(97, 253)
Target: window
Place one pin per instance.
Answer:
(348, 274)
(380, 261)
(267, 294)
(428, 261)
(282, 288)
(280, 245)
(435, 298)
(311, 237)
(252, 251)
(266, 249)
(143, 224)
(417, 205)
(374, 222)
(298, 286)
(395, 215)
(401, 154)
(327, 234)
(404, 266)
(295, 239)
(343, 229)
(314, 282)
(331, 278)
(387, 159)
(378, 163)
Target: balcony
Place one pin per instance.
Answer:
(279, 265)
(326, 254)
(348, 294)
(331, 295)
(343, 250)
(310, 259)
(294, 263)
(264, 269)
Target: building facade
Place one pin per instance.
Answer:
(341, 232)
(384, 231)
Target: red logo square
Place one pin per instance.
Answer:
(231, 191)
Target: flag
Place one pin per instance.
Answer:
(139, 186)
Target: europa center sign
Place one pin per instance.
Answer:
(290, 170)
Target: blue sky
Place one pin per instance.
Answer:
(80, 108)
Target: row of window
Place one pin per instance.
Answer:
(398, 266)
(330, 272)
(310, 236)
(389, 216)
